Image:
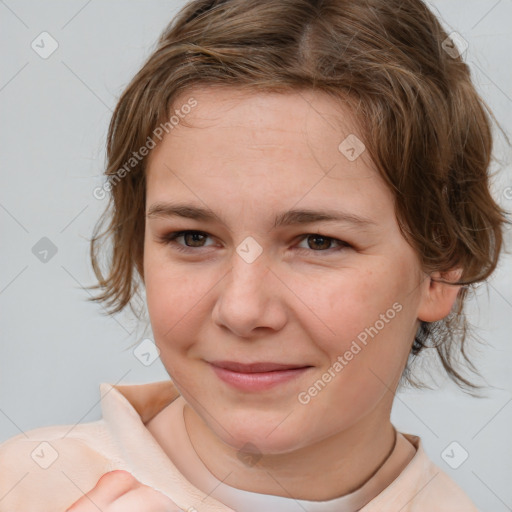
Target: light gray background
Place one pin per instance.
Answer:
(56, 347)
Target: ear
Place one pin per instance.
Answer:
(438, 297)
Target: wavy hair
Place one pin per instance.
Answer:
(425, 126)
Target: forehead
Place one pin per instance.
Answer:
(276, 149)
(307, 115)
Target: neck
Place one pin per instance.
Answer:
(330, 468)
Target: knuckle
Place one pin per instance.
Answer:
(118, 476)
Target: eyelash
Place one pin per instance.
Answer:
(170, 239)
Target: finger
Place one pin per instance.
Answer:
(108, 489)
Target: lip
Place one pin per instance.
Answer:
(256, 376)
(259, 367)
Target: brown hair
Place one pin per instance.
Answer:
(421, 119)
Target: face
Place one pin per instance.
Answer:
(339, 298)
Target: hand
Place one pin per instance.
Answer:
(120, 491)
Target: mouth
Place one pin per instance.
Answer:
(255, 367)
(257, 376)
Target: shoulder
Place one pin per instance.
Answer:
(434, 487)
(422, 487)
(51, 467)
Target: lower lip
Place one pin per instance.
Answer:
(258, 381)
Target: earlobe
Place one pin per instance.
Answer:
(439, 296)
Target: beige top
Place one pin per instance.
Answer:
(182, 453)
(49, 468)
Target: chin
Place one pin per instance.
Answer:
(268, 435)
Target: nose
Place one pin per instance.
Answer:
(250, 299)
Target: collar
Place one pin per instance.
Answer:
(150, 398)
(126, 409)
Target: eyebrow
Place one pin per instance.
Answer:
(287, 218)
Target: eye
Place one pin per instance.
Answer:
(196, 239)
(193, 237)
(322, 243)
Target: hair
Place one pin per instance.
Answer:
(422, 121)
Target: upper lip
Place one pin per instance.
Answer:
(255, 367)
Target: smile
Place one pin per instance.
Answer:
(256, 376)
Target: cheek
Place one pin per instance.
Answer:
(365, 361)
(171, 300)
(352, 301)
(175, 298)
(370, 318)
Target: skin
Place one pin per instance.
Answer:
(120, 490)
(303, 300)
